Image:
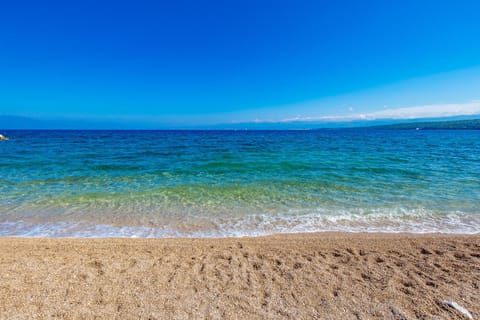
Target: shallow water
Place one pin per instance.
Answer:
(237, 183)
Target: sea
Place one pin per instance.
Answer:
(238, 183)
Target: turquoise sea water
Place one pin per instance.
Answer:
(236, 183)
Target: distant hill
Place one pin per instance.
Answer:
(473, 124)
(13, 122)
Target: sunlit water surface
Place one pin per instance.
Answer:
(238, 183)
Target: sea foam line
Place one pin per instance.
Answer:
(252, 225)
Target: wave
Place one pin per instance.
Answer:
(379, 221)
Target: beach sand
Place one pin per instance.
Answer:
(304, 276)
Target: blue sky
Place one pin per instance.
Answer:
(206, 62)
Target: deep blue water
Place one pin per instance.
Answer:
(235, 183)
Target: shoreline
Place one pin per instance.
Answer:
(263, 238)
(272, 235)
(326, 275)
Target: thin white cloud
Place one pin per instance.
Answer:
(416, 112)
(428, 111)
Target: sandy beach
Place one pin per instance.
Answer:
(304, 276)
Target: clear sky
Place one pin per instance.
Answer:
(200, 62)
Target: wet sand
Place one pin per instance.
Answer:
(305, 276)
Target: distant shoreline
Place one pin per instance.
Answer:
(433, 125)
(8, 123)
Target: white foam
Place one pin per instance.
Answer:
(293, 221)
